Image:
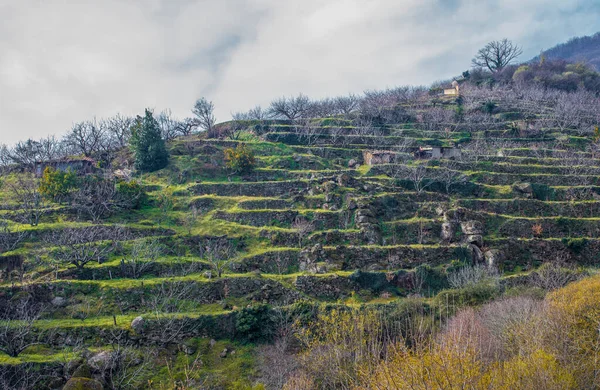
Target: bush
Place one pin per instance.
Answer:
(240, 160)
(57, 185)
(254, 323)
(471, 295)
(132, 192)
(575, 245)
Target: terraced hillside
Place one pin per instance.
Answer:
(213, 261)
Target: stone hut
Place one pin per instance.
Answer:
(79, 165)
(454, 91)
(437, 152)
(376, 157)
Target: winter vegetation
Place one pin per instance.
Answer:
(437, 237)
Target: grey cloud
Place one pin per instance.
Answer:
(65, 61)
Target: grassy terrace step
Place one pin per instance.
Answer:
(321, 219)
(268, 189)
(527, 252)
(533, 208)
(547, 179)
(194, 292)
(266, 203)
(540, 152)
(370, 140)
(513, 168)
(558, 227)
(546, 161)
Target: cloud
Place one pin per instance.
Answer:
(64, 61)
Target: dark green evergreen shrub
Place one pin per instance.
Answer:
(255, 323)
(147, 144)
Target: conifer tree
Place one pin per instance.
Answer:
(147, 144)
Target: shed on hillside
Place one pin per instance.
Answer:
(455, 90)
(376, 157)
(79, 165)
(437, 152)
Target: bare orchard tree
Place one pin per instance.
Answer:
(205, 117)
(346, 105)
(23, 376)
(143, 256)
(418, 174)
(307, 132)
(290, 108)
(219, 253)
(25, 153)
(87, 138)
(165, 300)
(450, 175)
(32, 205)
(496, 55)
(80, 246)
(303, 228)
(10, 236)
(98, 197)
(118, 128)
(16, 326)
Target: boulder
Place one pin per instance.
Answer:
(447, 231)
(101, 360)
(476, 254)
(138, 324)
(59, 302)
(475, 239)
(83, 384)
(525, 189)
(471, 227)
(493, 257)
(343, 180)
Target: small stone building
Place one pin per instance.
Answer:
(437, 152)
(376, 157)
(79, 165)
(454, 91)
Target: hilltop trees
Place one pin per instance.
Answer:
(148, 145)
(496, 55)
(205, 117)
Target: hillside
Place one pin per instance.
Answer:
(402, 205)
(579, 49)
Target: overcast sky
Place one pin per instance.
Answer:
(63, 61)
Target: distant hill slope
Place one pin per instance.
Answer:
(585, 49)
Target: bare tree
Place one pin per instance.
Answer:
(472, 275)
(451, 175)
(204, 112)
(24, 376)
(303, 228)
(87, 138)
(219, 253)
(10, 236)
(291, 108)
(119, 128)
(144, 254)
(79, 246)
(418, 174)
(25, 153)
(346, 105)
(97, 198)
(496, 55)
(169, 126)
(16, 326)
(31, 202)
